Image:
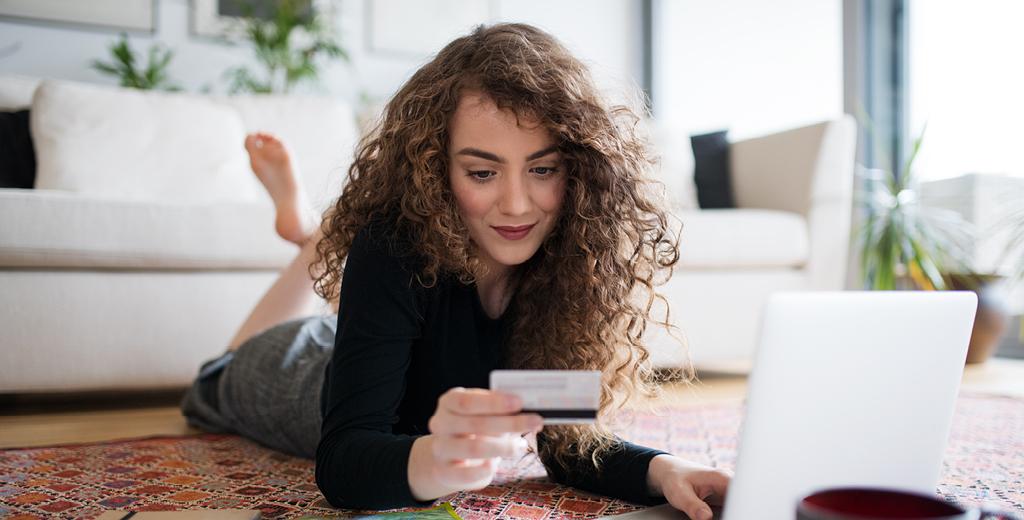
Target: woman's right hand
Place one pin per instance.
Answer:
(471, 430)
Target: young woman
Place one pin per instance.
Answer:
(498, 217)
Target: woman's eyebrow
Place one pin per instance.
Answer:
(476, 152)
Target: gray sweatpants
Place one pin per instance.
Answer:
(269, 388)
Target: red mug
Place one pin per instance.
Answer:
(884, 504)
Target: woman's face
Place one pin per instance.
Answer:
(507, 179)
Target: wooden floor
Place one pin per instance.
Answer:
(40, 421)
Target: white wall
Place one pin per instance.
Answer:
(62, 51)
(602, 32)
(748, 66)
(745, 65)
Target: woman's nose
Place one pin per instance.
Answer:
(515, 198)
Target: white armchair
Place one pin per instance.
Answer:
(790, 232)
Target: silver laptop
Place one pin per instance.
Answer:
(847, 389)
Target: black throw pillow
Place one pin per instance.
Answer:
(17, 155)
(711, 170)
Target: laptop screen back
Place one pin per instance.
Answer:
(849, 389)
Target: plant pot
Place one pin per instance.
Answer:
(991, 321)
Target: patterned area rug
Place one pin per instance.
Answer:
(984, 465)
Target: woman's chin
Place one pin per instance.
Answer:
(513, 258)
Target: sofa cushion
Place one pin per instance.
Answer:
(16, 92)
(17, 157)
(116, 142)
(44, 228)
(711, 172)
(742, 238)
(675, 165)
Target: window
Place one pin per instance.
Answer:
(966, 80)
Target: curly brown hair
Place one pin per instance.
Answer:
(584, 300)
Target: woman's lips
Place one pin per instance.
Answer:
(513, 232)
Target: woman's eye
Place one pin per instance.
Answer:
(481, 175)
(545, 170)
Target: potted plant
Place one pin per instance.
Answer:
(904, 245)
(127, 67)
(291, 43)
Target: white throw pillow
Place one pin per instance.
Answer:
(16, 92)
(320, 132)
(140, 145)
(676, 165)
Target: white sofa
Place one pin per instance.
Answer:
(130, 280)
(101, 290)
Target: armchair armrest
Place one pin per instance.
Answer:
(807, 170)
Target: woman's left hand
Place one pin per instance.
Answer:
(687, 486)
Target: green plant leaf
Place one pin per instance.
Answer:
(927, 265)
(125, 66)
(901, 238)
(286, 62)
(905, 176)
(105, 68)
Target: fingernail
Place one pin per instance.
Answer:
(535, 422)
(705, 514)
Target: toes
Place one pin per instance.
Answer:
(253, 141)
(267, 138)
(273, 145)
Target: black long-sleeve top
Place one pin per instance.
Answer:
(399, 346)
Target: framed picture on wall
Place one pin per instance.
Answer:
(119, 15)
(416, 29)
(222, 18)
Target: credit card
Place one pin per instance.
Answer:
(559, 396)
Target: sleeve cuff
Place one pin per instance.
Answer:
(638, 469)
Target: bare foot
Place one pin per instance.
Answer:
(273, 166)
